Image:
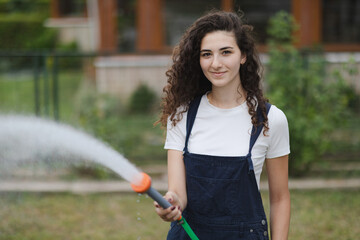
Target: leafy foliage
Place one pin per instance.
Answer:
(299, 84)
(142, 100)
(29, 35)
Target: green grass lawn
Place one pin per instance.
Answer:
(318, 215)
(325, 215)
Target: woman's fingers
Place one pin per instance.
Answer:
(174, 214)
(171, 214)
(170, 196)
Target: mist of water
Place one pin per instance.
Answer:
(28, 138)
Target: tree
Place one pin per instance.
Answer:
(298, 84)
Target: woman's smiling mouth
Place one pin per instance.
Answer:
(217, 74)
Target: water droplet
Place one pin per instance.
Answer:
(138, 197)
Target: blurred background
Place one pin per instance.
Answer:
(99, 65)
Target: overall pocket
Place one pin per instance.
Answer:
(212, 197)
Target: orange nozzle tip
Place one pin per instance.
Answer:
(144, 185)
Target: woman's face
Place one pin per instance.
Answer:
(220, 59)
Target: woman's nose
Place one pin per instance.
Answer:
(216, 63)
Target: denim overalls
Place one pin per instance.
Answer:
(223, 198)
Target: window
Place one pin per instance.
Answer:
(126, 25)
(72, 8)
(180, 14)
(341, 21)
(258, 13)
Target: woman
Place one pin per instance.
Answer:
(220, 131)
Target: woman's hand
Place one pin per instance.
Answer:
(172, 213)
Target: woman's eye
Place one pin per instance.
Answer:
(226, 52)
(206, 54)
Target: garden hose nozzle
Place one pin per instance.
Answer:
(145, 187)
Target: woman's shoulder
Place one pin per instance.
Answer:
(278, 133)
(276, 117)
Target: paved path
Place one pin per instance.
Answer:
(160, 185)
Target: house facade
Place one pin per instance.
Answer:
(139, 35)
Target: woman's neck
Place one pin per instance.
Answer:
(225, 99)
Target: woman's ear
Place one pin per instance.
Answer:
(243, 59)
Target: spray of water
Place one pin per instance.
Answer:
(28, 138)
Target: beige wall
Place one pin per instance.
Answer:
(121, 75)
(79, 30)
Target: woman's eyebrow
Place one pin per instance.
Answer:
(223, 48)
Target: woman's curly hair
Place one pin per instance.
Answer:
(186, 80)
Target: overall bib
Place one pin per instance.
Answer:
(223, 198)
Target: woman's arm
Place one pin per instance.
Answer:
(277, 170)
(176, 176)
(176, 194)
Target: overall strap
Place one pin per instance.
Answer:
(191, 115)
(255, 132)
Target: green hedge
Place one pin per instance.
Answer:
(25, 6)
(20, 31)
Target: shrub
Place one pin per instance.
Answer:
(298, 84)
(142, 101)
(30, 33)
(24, 32)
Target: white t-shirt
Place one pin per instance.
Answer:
(226, 132)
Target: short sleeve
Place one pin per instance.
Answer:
(279, 144)
(175, 135)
